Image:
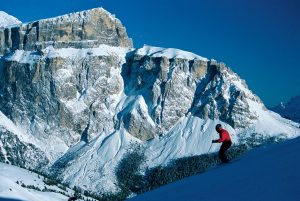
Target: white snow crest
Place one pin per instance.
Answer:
(7, 20)
(168, 52)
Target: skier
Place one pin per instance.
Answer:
(226, 142)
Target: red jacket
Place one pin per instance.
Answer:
(224, 135)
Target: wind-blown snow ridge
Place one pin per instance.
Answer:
(8, 20)
(168, 52)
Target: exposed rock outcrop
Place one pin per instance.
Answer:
(79, 30)
(55, 95)
(175, 86)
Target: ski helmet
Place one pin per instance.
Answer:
(218, 126)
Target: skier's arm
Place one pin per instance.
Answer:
(218, 141)
(222, 139)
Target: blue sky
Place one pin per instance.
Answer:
(258, 39)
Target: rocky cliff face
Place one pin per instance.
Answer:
(79, 30)
(67, 97)
(175, 86)
(64, 95)
(76, 96)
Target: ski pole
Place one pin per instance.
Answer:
(210, 147)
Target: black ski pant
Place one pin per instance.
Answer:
(222, 153)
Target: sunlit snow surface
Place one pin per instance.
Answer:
(168, 52)
(267, 173)
(10, 190)
(7, 20)
(192, 136)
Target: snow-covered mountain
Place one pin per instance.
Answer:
(263, 174)
(7, 20)
(290, 110)
(75, 95)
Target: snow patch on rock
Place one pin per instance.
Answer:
(171, 53)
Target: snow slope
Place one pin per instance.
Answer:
(7, 20)
(92, 165)
(192, 136)
(266, 173)
(290, 110)
(10, 189)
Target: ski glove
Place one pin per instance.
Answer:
(214, 141)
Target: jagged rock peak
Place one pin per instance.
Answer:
(81, 14)
(84, 29)
(7, 20)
